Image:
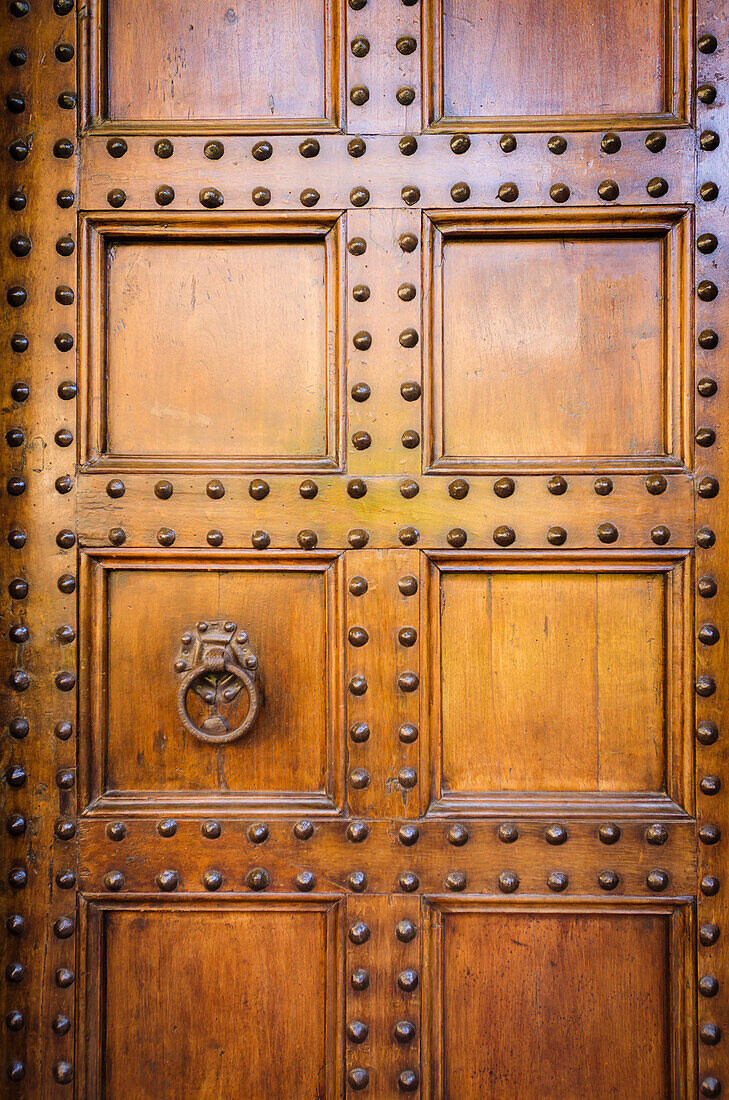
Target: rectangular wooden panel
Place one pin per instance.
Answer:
(590, 62)
(197, 339)
(536, 665)
(186, 1001)
(537, 333)
(134, 740)
(554, 1004)
(185, 63)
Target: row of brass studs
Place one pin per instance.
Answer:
(707, 731)
(211, 198)
(18, 726)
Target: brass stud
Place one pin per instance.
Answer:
(115, 488)
(608, 190)
(657, 880)
(258, 879)
(559, 192)
(557, 536)
(408, 682)
(504, 487)
(405, 95)
(405, 931)
(357, 538)
(710, 1086)
(164, 195)
(508, 833)
(261, 196)
(308, 489)
(656, 484)
(556, 834)
(710, 785)
(709, 140)
(710, 884)
(607, 532)
(656, 834)
(705, 686)
(260, 540)
(309, 196)
(705, 538)
(707, 43)
(212, 880)
(707, 243)
(409, 488)
(660, 534)
(603, 486)
(357, 881)
(407, 778)
(357, 831)
(117, 536)
(410, 439)
(310, 146)
(211, 830)
(460, 143)
(358, 636)
(608, 880)
(406, 292)
(710, 1034)
(259, 489)
(214, 150)
(410, 391)
(657, 187)
(359, 196)
(655, 141)
(358, 586)
(508, 192)
(167, 881)
(358, 1078)
(508, 882)
(361, 292)
(460, 192)
(406, 44)
(507, 143)
(709, 191)
(360, 979)
(457, 537)
(706, 290)
(262, 150)
(611, 143)
(116, 197)
(456, 880)
(211, 198)
(356, 147)
(557, 485)
(707, 587)
(709, 834)
(709, 935)
(408, 585)
(557, 145)
(307, 539)
(708, 985)
(504, 536)
(408, 882)
(458, 489)
(408, 835)
(359, 778)
(165, 536)
(360, 391)
(609, 833)
(408, 144)
(558, 881)
(361, 440)
(358, 685)
(410, 194)
(359, 933)
(359, 732)
(408, 733)
(359, 95)
(163, 490)
(408, 242)
(164, 149)
(706, 93)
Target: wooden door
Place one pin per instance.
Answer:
(364, 549)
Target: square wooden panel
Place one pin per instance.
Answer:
(560, 681)
(185, 1000)
(209, 342)
(590, 64)
(557, 341)
(552, 1003)
(135, 748)
(185, 67)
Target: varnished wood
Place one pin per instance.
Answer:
(364, 380)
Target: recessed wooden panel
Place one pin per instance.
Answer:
(207, 347)
(135, 740)
(556, 346)
(555, 1005)
(544, 61)
(197, 1002)
(247, 65)
(554, 680)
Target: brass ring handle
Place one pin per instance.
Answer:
(218, 654)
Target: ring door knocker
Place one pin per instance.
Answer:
(217, 663)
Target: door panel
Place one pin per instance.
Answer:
(364, 549)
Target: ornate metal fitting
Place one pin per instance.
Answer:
(216, 662)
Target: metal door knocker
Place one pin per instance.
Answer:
(217, 663)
